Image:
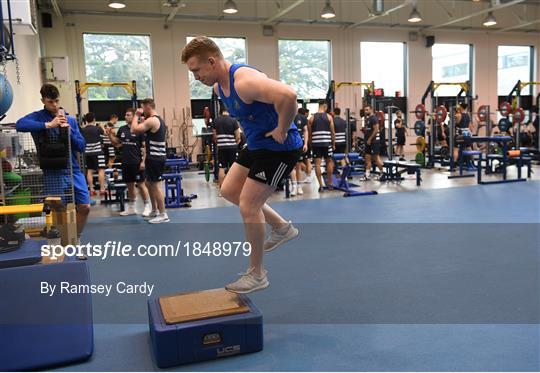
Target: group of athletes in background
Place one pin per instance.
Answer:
(322, 135)
(141, 145)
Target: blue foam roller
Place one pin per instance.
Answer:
(206, 339)
(38, 330)
(28, 253)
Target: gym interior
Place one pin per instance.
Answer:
(411, 207)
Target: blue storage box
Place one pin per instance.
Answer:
(211, 324)
(38, 330)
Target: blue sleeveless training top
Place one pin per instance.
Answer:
(257, 119)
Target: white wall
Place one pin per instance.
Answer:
(26, 94)
(171, 85)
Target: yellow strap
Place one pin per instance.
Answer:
(21, 209)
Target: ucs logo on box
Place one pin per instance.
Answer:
(229, 350)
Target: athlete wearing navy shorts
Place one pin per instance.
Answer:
(265, 109)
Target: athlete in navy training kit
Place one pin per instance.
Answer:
(265, 109)
(154, 128)
(94, 156)
(226, 135)
(133, 159)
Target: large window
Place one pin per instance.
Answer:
(234, 51)
(514, 63)
(384, 63)
(305, 65)
(451, 63)
(118, 58)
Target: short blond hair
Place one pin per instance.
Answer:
(201, 46)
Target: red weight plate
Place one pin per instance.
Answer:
(505, 109)
(482, 113)
(420, 112)
(519, 116)
(440, 114)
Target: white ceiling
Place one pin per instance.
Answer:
(521, 16)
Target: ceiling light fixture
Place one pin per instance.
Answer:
(415, 16)
(328, 11)
(230, 7)
(490, 20)
(117, 4)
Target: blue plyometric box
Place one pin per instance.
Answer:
(205, 325)
(39, 327)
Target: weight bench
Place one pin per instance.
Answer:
(347, 172)
(395, 169)
(174, 194)
(466, 153)
(518, 161)
(523, 160)
(119, 190)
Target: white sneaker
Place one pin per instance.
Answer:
(160, 218)
(129, 211)
(147, 210)
(299, 190)
(277, 238)
(152, 215)
(293, 190)
(248, 282)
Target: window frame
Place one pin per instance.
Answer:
(470, 61)
(330, 65)
(190, 74)
(405, 65)
(531, 67)
(120, 34)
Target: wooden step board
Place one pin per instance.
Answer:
(200, 305)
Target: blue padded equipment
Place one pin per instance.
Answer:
(28, 253)
(38, 330)
(201, 326)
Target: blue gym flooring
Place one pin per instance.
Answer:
(432, 280)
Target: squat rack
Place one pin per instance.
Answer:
(81, 88)
(466, 90)
(334, 87)
(331, 100)
(516, 103)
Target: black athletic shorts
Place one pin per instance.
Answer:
(401, 140)
(322, 152)
(305, 156)
(131, 173)
(374, 148)
(109, 151)
(226, 157)
(340, 148)
(154, 169)
(95, 162)
(267, 166)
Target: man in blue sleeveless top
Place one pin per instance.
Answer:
(265, 109)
